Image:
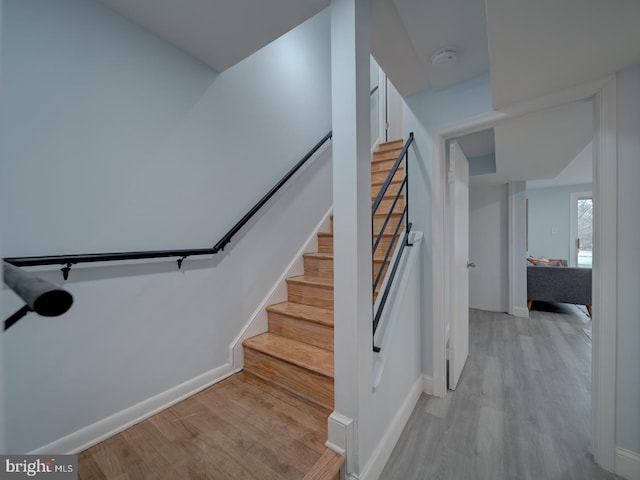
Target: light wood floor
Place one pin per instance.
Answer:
(240, 428)
(521, 409)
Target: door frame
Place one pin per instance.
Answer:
(573, 226)
(603, 94)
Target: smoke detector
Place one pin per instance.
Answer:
(444, 56)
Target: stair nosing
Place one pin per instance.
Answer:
(317, 281)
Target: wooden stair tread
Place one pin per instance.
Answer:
(297, 353)
(375, 183)
(327, 467)
(309, 313)
(310, 280)
(385, 214)
(323, 256)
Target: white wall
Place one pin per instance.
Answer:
(114, 140)
(628, 375)
(550, 220)
(489, 248)
(397, 378)
(424, 113)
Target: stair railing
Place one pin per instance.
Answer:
(70, 260)
(378, 275)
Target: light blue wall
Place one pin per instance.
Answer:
(482, 165)
(549, 220)
(114, 140)
(628, 362)
(425, 113)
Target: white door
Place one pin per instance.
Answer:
(458, 262)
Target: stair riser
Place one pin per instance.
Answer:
(380, 177)
(378, 221)
(392, 145)
(386, 154)
(325, 244)
(299, 381)
(314, 295)
(318, 267)
(392, 190)
(385, 241)
(387, 203)
(301, 330)
(385, 165)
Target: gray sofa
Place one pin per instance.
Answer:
(559, 284)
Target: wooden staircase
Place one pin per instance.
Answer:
(297, 351)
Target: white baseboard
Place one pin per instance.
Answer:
(521, 312)
(380, 456)
(427, 384)
(97, 432)
(257, 324)
(627, 464)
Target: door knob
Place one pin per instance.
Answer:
(471, 264)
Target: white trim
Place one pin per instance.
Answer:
(341, 438)
(257, 324)
(101, 430)
(512, 250)
(439, 381)
(382, 452)
(627, 464)
(427, 384)
(555, 99)
(573, 225)
(605, 239)
(520, 312)
(605, 314)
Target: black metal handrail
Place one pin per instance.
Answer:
(404, 217)
(70, 260)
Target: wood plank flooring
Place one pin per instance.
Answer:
(521, 410)
(240, 428)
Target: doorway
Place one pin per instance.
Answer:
(604, 243)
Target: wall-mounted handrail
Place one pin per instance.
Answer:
(404, 217)
(227, 238)
(40, 296)
(69, 260)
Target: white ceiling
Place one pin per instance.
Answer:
(580, 170)
(478, 144)
(541, 145)
(431, 25)
(219, 33)
(530, 48)
(542, 46)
